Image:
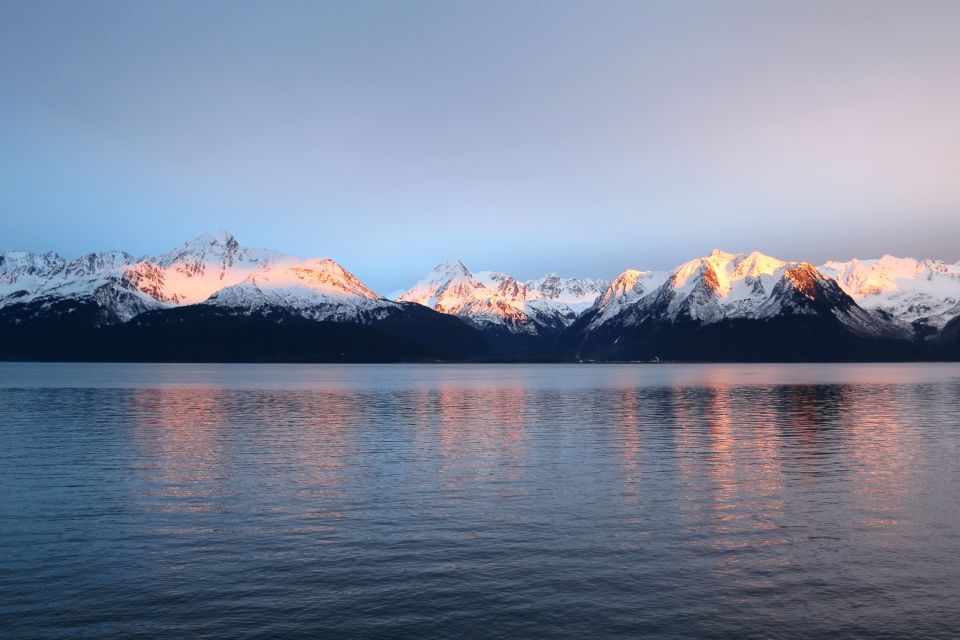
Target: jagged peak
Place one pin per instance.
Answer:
(488, 298)
(447, 271)
(212, 243)
(756, 264)
(14, 259)
(721, 271)
(220, 237)
(690, 270)
(626, 287)
(447, 277)
(805, 278)
(493, 278)
(452, 264)
(630, 277)
(109, 255)
(806, 268)
(99, 261)
(555, 278)
(723, 255)
(16, 254)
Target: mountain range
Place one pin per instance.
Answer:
(210, 299)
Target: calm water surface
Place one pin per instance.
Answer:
(233, 501)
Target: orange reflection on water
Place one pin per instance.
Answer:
(728, 455)
(630, 443)
(474, 442)
(184, 433)
(200, 440)
(883, 456)
(481, 432)
(318, 433)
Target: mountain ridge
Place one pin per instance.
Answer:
(890, 305)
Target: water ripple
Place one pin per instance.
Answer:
(206, 501)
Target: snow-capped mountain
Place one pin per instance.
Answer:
(120, 285)
(724, 286)
(317, 289)
(925, 292)
(707, 289)
(803, 290)
(497, 301)
(206, 296)
(212, 269)
(16, 265)
(199, 268)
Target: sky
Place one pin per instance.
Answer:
(522, 136)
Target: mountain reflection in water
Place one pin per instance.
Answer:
(482, 501)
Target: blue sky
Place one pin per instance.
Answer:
(528, 137)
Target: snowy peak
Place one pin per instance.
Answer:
(576, 292)
(98, 262)
(716, 286)
(627, 289)
(725, 285)
(322, 276)
(326, 275)
(451, 270)
(757, 264)
(923, 292)
(212, 267)
(444, 288)
(492, 299)
(219, 245)
(451, 288)
(806, 280)
(202, 266)
(628, 286)
(213, 261)
(503, 284)
(16, 264)
(318, 289)
(99, 277)
(803, 289)
(728, 275)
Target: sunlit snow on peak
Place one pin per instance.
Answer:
(492, 298)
